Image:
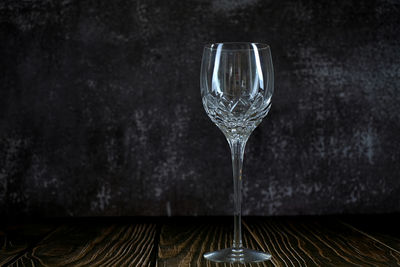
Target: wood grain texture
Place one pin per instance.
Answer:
(318, 242)
(183, 242)
(94, 244)
(382, 228)
(16, 239)
(292, 241)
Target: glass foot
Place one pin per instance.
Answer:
(237, 255)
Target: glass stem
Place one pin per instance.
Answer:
(237, 151)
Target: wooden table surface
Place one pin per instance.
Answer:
(292, 241)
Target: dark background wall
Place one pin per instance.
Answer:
(100, 110)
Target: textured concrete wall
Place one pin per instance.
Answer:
(100, 110)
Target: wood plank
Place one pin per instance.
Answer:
(15, 239)
(384, 228)
(318, 242)
(304, 241)
(183, 241)
(94, 244)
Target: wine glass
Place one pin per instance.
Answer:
(237, 84)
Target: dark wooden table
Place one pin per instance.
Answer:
(292, 241)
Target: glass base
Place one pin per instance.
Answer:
(243, 255)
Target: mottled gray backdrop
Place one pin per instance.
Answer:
(100, 110)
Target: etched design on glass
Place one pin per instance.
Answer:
(236, 117)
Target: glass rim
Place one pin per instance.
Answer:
(260, 46)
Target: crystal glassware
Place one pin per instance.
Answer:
(237, 84)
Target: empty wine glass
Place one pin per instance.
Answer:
(237, 84)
